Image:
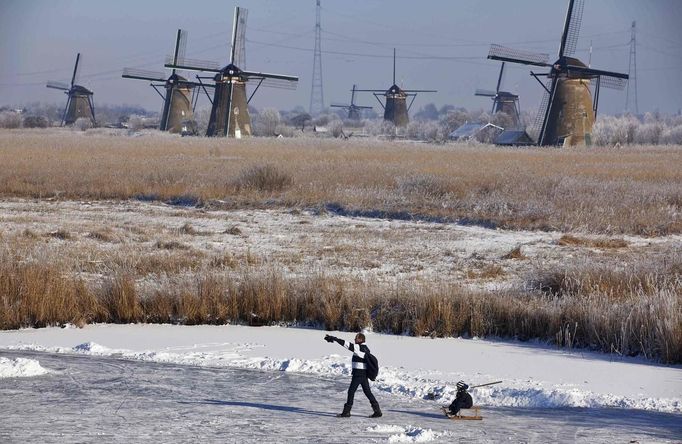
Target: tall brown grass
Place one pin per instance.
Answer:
(631, 313)
(635, 190)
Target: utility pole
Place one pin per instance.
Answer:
(632, 72)
(316, 93)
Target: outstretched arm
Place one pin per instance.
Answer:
(355, 348)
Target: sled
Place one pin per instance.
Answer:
(476, 410)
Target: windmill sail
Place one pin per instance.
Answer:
(574, 18)
(143, 74)
(238, 42)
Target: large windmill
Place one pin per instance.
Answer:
(396, 108)
(179, 99)
(79, 103)
(503, 101)
(230, 113)
(568, 108)
(353, 109)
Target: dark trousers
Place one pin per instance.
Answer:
(360, 380)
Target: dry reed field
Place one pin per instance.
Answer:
(101, 228)
(635, 190)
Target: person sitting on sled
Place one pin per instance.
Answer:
(462, 400)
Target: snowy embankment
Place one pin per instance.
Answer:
(20, 368)
(532, 375)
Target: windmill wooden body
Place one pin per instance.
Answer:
(79, 104)
(396, 108)
(569, 107)
(179, 98)
(229, 112)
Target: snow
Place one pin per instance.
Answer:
(406, 433)
(533, 375)
(20, 368)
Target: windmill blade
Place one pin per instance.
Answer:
(277, 83)
(536, 126)
(143, 74)
(339, 105)
(499, 78)
(238, 42)
(612, 82)
(574, 18)
(419, 91)
(485, 93)
(362, 107)
(75, 70)
(180, 46)
(267, 75)
(193, 65)
(609, 79)
(58, 85)
(504, 54)
(371, 90)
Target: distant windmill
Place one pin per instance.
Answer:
(396, 108)
(503, 101)
(79, 103)
(230, 113)
(568, 110)
(180, 98)
(353, 109)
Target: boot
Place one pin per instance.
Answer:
(377, 411)
(345, 413)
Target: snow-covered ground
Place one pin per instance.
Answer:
(286, 383)
(532, 375)
(301, 243)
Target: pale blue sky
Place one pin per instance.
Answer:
(446, 42)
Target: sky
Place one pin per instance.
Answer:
(441, 44)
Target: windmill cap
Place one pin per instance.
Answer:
(395, 89)
(78, 89)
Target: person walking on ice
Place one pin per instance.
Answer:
(361, 356)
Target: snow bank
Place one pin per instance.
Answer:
(407, 433)
(419, 368)
(20, 368)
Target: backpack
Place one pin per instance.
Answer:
(372, 365)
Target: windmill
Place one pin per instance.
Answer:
(568, 108)
(229, 112)
(79, 103)
(353, 109)
(179, 99)
(396, 108)
(503, 101)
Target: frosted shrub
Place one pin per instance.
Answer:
(9, 119)
(614, 130)
(267, 122)
(380, 127)
(82, 124)
(336, 127)
(35, 122)
(648, 133)
(672, 136)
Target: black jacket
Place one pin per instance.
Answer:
(358, 362)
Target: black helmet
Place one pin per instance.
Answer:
(461, 386)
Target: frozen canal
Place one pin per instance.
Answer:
(106, 399)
